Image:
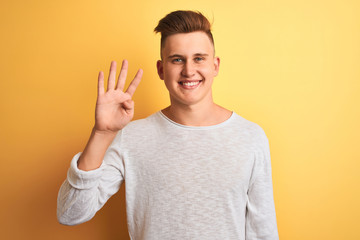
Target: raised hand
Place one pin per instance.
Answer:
(115, 108)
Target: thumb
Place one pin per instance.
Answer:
(129, 104)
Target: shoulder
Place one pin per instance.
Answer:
(247, 124)
(252, 130)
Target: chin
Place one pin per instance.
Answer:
(187, 102)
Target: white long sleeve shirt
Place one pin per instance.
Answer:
(182, 182)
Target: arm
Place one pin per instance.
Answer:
(260, 210)
(114, 110)
(83, 193)
(97, 173)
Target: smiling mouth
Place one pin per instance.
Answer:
(189, 83)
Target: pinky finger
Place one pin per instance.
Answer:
(101, 83)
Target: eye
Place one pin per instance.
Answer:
(177, 60)
(199, 59)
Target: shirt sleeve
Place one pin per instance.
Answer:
(83, 193)
(260, 208)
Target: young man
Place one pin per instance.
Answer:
(193, 170)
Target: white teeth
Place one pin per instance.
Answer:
(190, 83)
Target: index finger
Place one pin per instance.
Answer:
(135, 82)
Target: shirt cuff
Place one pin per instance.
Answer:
(81, 179)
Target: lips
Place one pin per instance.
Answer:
(190, 84)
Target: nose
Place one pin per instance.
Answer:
(188, 69)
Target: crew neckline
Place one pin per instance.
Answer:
(232, 116)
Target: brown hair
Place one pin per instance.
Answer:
(183, 22)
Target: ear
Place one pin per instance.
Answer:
(160, 69)
(216, 65)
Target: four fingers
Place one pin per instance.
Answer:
(121, 79)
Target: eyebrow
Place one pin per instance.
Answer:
(181, 56)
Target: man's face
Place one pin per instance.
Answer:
(188, 67)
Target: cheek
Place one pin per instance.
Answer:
(171, 72)
(207, 71)
(170, 79)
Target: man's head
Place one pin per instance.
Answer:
(183, 22)
(187, 64)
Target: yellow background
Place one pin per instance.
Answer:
(293, 67)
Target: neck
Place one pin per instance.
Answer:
(201, 114)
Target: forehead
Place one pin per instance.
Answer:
(187, 44)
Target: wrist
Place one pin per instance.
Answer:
(104, 133)
(94, 152)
